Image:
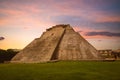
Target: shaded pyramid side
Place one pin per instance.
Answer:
(41, 49)
(74, 47)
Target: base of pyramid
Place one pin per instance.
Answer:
(87, 60)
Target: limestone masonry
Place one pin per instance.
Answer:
(60, 42)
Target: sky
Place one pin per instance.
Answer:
(98, 21)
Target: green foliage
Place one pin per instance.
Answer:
(73, 70)
(6, 55)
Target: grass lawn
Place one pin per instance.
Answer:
(73, 70)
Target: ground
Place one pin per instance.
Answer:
(63, 70)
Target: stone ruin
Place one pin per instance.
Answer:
(60, 42)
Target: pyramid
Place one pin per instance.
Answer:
(60, 42)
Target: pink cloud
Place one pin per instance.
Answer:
(108, 19)
(96, 34)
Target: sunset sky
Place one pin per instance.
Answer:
(21, 21)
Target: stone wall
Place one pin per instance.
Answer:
(74, 47)
(41, 49)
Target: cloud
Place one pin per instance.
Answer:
(2, 38)
(99, 40)
(102, 33)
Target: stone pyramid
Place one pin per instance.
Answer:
(60, 42)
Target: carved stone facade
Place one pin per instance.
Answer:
(60, 42)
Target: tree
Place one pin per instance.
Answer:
(7, 55)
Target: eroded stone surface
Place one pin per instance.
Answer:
(60, 42)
